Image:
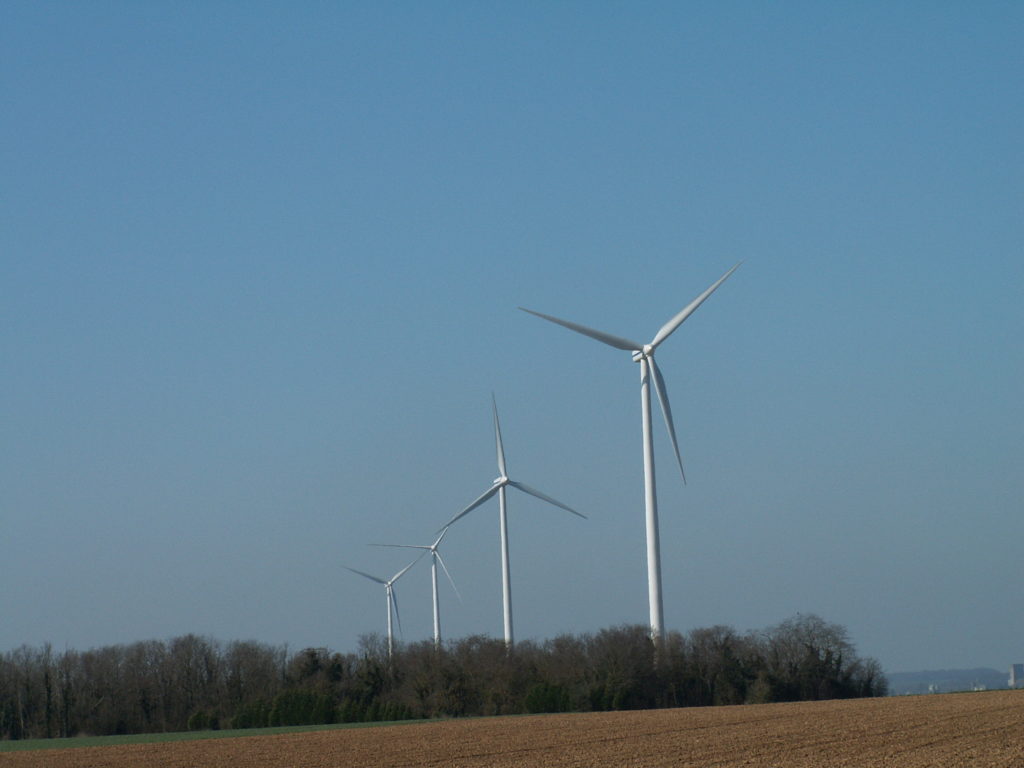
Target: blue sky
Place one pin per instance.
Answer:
(259, 271)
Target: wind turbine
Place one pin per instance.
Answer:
(498, 487)
(435, 559)
(391, 599)
(644, 354)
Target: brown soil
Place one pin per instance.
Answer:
(974, 729)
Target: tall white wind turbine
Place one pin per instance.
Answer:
(498, 487)
(392, 600)
(436, 558)
(644, 354)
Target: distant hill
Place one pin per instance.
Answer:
(947, 680)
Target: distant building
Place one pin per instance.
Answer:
(1016, 675)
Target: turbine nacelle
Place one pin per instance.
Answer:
(643, 354)
(500, 481)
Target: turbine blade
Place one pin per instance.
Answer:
(398, 617)
(497, 439)
(403, 546)
(401, 573)
(479, 500)
(666, 411)
(544, 497)
(675, 322)
(437, 541)
(450, 579)
(613, 341)
(361, 573)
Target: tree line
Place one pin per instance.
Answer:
(197, 683)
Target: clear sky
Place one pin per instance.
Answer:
(259, 271)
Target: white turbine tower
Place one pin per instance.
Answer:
(498, 487)
(391, 599)
(644, 354)
(435, 559)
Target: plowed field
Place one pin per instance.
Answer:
(975, 729)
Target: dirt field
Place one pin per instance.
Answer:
(974, 729)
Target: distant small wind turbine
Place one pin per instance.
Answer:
(498, 487)
(644, 354)
(435, 559)
(391, 599)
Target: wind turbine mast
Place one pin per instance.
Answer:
(498, 488)
(389, 596)
(649, 373)
(435, 558)
(506, 573)
(656, 603)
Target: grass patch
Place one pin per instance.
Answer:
(155, 738)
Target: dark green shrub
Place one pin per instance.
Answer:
(199, 721)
